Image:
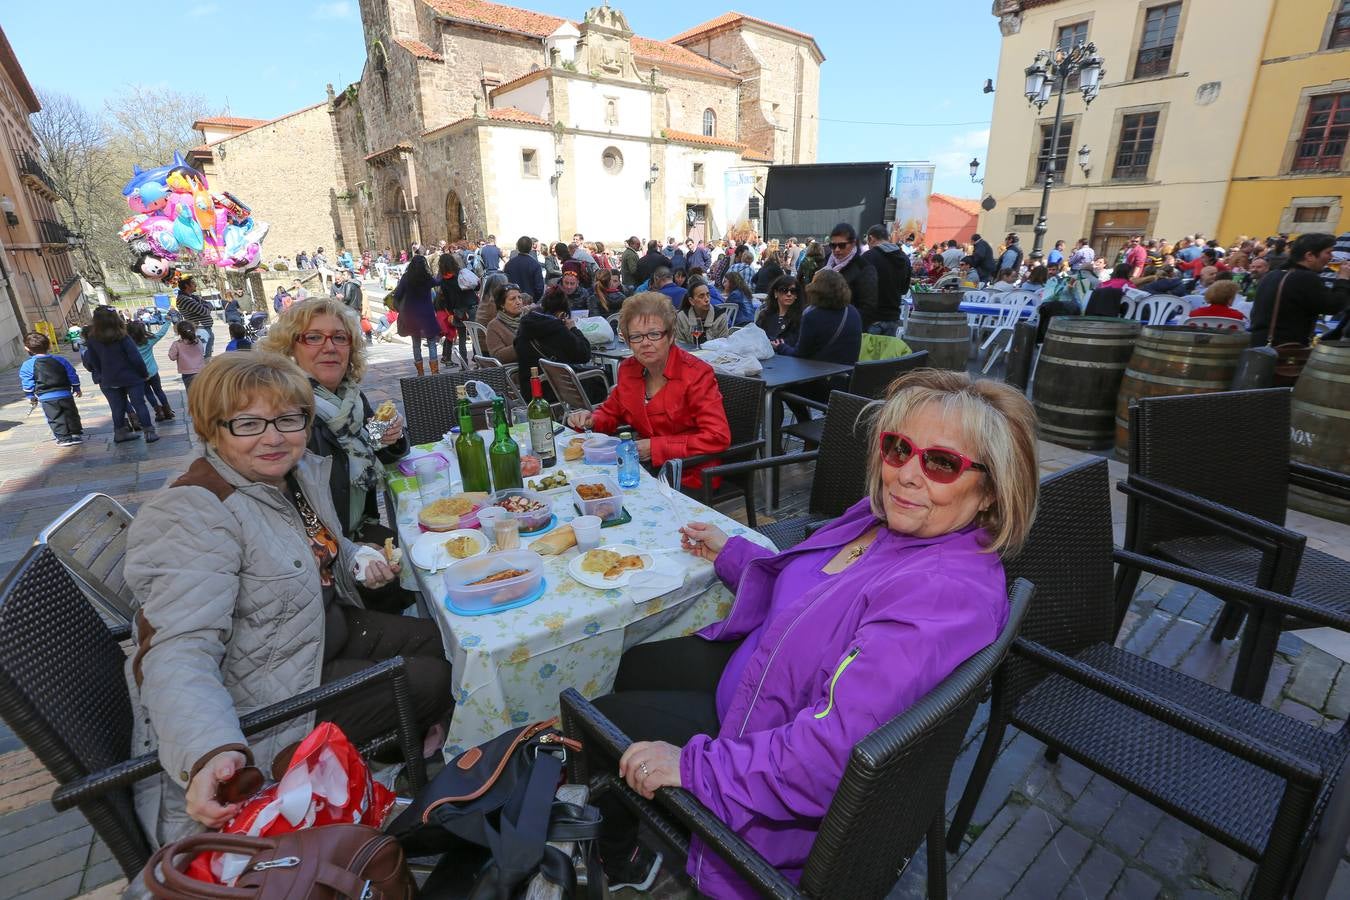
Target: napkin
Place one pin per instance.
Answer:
(652, 583)
(362, 559)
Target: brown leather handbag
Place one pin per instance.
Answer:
(322, 863)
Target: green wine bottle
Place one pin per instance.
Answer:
(469, 449)
(541, 424)
(504, 453)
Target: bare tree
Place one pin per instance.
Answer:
(148, 124)
(74, 150)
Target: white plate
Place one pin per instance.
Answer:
(597, 580)
(428, 551)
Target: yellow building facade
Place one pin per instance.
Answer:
(1292, 172)
(1162, 135)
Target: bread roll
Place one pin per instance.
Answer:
(557, 541)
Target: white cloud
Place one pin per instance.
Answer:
(338, 9)
(202, 10)
(952, 162)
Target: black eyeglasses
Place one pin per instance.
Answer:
(841, 246)
(252, 426)
(642, 337)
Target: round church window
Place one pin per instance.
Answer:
(612, 160)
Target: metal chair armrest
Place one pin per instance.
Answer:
(120, 632)
(1226, 589)
(754, 465)
(394, 670)
(804, 401)
(1324, 481)
(1236, 524)
(1218, 734)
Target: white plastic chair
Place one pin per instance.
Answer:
(1218, 323)
(1157, 310)
(1012, 304)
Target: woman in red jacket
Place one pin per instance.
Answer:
(669, 397)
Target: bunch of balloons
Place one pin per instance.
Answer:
(176, 218)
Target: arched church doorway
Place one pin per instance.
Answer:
(456, 227)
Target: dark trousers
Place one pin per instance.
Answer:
(393, 597)
(63, 417)
(154, 392)
(374, 637)
(122, 399)
(665, 691)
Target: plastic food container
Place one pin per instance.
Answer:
(405, 465)
(467, 520)
(601, 450)
(470, 597)
(534, 519)
(606, 508)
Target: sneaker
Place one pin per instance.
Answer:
(71, 441)
(638, 872)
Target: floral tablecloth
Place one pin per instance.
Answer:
(509, 667)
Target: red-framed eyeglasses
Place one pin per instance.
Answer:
(937, 464)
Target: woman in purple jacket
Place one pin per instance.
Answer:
(826, 642)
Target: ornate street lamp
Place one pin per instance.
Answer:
(975, 171)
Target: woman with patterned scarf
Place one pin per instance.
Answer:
(323, 337)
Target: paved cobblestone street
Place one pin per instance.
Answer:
(1042, 830)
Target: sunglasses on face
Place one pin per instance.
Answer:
(942, 466)
(841, 246)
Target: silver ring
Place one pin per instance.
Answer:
(643, 769)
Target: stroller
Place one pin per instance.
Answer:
(256, 326)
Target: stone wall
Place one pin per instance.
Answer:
(688, 95)
(446, 163)
(286, 171)
(471, 54)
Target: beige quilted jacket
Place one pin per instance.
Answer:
(230, 620)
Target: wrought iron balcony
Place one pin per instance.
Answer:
(33, 175)
(54, 234)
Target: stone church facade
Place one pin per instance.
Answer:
(474, 118)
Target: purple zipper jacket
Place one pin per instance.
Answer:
(832, 667)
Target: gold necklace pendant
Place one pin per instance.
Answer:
(856, 553)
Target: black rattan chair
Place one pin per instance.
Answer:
(1208, 489)
(840, 477)
(869, 379)
(63, 693)
(743, 401)
(1252, 779)
(429, 403)
(891, 797)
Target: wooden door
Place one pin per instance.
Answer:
(1113, 228)
(696, 220)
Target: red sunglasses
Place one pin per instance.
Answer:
(942, 466)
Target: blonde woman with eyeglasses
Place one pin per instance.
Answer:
(668, 396)
(247, 595)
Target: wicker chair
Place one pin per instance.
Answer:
(429, 402)
(90, 540)
(869, 379)
(63, 692)
(1253, 779)
(840, 478)
(743, 401)
(891, 797)
(1208, 488)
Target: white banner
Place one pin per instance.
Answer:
(913, 184)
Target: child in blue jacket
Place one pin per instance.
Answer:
(52, 381)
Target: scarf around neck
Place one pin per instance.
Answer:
(344, 414)
(510, 321)
(836, 264)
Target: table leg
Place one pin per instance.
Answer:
(773, 420)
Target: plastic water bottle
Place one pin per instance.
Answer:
(629, 471)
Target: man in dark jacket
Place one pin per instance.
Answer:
(846, 258)
(982, 259)
(524, 270)
(1304, 298)
(198, 312)
(893, 276)
(347, 290)
(490, 254)
(654, 260)
(628, 264)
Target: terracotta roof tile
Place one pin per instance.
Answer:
(757, 156)
(419, 49)
(513, 114)
(971, 207)
(231, 122)
(685, 137)
(661, 52)
(401, 145)
(728, 20)
(496, 14)
(541, 25)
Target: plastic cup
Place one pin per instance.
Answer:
(489, 516)
(433, 482)
(507, 532)
(587, 530)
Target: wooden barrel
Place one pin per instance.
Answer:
(1319, 425)
(1174, 359)
(945, 335)
(1078, 377)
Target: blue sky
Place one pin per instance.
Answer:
(897, 61)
